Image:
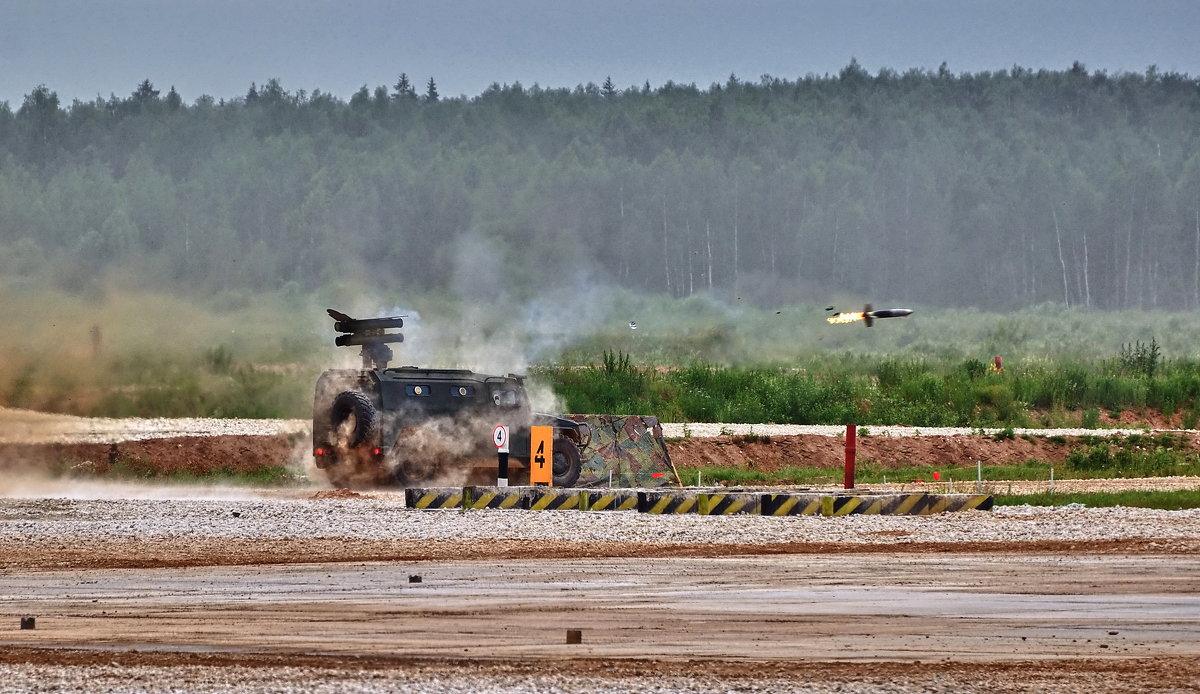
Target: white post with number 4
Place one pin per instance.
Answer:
(500, 439)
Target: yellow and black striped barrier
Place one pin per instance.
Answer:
(943, 503)
(609, 500)
(704, 502)
(912, 504)
(778, 504)
(491, 497)
(728, 503)
(839, 505)
(434, 498)
(550, 499)
(667, 501)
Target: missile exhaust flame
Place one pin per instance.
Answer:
(846, 317)
(869, 315)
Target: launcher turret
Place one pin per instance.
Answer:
(371, 334)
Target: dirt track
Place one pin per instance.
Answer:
(337, 612)
(947, 622)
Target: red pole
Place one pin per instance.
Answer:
(851, 448)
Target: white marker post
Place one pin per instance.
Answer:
(500, 439)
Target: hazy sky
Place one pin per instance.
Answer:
(85, 48)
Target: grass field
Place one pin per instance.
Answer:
(1169, 501)
(137, 353)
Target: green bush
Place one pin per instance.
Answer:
(1096, 457)
(1140, 359)
(974, 368)
(219, 359)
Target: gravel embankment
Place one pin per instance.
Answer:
(25, 426)
(705, 430)
(34, 520)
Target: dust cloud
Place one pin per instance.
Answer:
(25, 475)
(442, 451)
(33, 484)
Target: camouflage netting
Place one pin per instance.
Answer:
(630, 447)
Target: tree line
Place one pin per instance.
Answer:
(995, 189)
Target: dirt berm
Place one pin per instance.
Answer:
(59, 445)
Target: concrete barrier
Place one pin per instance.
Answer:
(609, 500)
(667, 501)
(944, 503)
(783, 504)
(549, 499)
(491, 497)
(451, 497)
(729, 503)
(874, 504)
(704, 502)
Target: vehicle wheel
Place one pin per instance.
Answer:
(353, 403)
(566, 462)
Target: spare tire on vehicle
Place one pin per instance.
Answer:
(353, 403)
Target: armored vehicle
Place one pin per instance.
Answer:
(406, 426)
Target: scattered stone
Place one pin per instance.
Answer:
(341, 493)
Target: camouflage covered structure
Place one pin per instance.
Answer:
(631, 447)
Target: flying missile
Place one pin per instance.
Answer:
(868, 315)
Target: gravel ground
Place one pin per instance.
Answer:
(28, 520)
(492, 679)
(69, 517)
(117, 679)
(243, 515)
